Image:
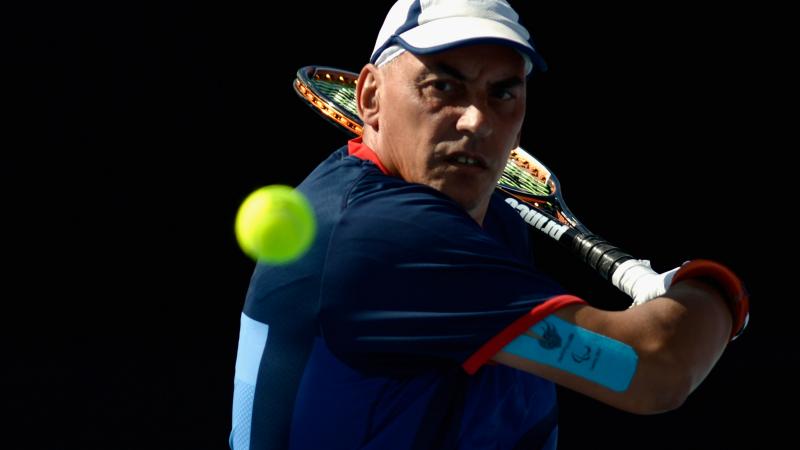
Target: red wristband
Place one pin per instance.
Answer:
(727, 282)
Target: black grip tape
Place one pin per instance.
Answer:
(599, 254)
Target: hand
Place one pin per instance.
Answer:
(635, 278)
(640, 282)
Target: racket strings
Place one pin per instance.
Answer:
(331, 100)
(523, 179)
(343, 95)
(524, 175)
(530, 183)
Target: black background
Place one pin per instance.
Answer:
(134, 131)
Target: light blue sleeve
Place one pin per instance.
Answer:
(252, 341)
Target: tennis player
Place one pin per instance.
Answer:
(418, 319)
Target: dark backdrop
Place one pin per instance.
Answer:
(134, 132)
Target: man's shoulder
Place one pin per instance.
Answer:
(340, 172)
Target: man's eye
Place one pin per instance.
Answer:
(443, 86)
(503, 94)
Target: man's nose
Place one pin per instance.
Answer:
(475, 121)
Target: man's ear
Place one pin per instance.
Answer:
(517, 140)
(367, 95)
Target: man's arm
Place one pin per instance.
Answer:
(675, 339)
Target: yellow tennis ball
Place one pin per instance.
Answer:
(275, 225)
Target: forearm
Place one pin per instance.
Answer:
(676, 340)
(691, 326)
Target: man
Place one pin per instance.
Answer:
(417, 319)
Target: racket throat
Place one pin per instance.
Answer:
(538, 220)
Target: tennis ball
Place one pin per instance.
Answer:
(275, 225)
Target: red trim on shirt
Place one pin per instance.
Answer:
(357, 148)
(519, 326)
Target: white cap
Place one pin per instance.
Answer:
(430, 26)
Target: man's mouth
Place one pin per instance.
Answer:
(468, 161)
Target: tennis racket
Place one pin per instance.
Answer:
(528, 186)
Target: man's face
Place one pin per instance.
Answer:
(449, 120)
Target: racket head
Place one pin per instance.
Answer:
(528, 180)
(331, 93)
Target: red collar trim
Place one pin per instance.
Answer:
(357, 148)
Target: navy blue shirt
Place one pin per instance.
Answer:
(377, 337)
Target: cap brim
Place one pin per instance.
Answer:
(453, 32)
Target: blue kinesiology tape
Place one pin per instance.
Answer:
(576, 350)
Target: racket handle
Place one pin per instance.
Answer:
(599, 254)
(632, 276)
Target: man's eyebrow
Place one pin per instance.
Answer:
(510, 82)
(446, 69)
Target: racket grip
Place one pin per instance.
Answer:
(632, 276)
(599, 254)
